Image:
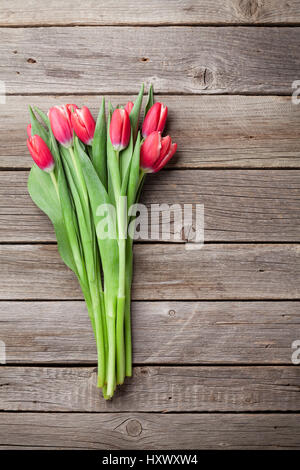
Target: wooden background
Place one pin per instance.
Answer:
(213, 328)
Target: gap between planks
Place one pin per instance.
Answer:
(153, 25)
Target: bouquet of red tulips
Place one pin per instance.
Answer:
(86, 177)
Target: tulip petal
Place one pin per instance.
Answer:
(129, 106)
(61, 125)
(119, 129)
(83, 124)
(150, 151)
(40, 153)
(162, 118)
(168, 157)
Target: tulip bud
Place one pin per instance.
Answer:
(129, 106)
(60, 120)
(29, 131)
(83, 124)
(41, 153)
(156, 151)
(155, 119)
(120, 129)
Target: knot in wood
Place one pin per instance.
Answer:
(134, 428)
(249, 9)
(202, 77)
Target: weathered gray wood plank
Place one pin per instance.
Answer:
(162, 271)
(207, 59)
(211, 131)
(93, 12)
(239, 205)
(163, 332)
(167, 389)
(149, 431)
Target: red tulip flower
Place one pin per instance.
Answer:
(83, 124)
(155, 119)
(29, 131)
(156, 151)
(120, 129)
(41, 153)
(60, 120)
(129, 106)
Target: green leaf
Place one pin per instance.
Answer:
(71, 225)
(99, 146)
(125, 158)
(150, 101)
(125, 180)
(37, 128)
(43, 116)
(108, 246)
(135, 112)
(134, 175)
(43, 194)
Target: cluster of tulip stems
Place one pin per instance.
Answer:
(81, 166)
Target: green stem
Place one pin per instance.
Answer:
(104, 326)
(79, 176)
(121, 222)
(90, 152)
(72, 236)
(142, 175)
(104, 392)
(99, 333)
(111, 363)
(122, 229)
(120, 344)
(91, 262)
(129, 270)
(54, 181)
(128, 341)
(88, 301)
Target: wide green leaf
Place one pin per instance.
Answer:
(108, 246)
(43, 194)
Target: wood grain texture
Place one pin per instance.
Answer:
(162, 271)
(238, 206)
(238, 379)
(159, 389)
(193, 12)
(211, 131)
(148, 431)
(163, 332)
(207, 59)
